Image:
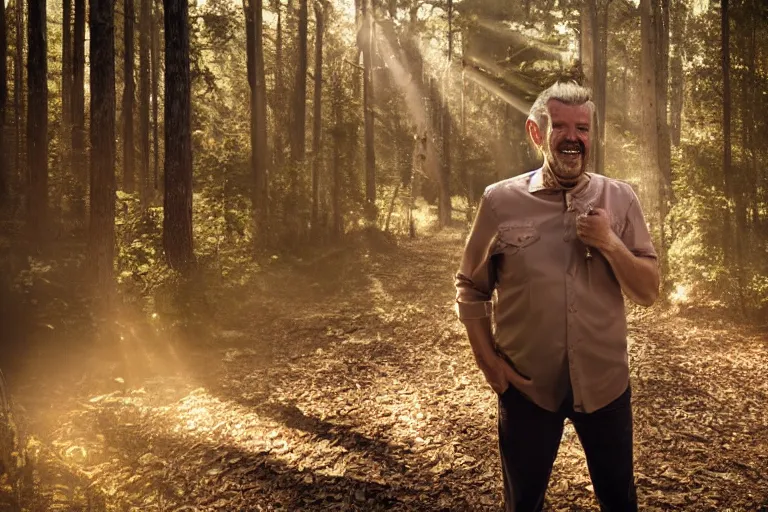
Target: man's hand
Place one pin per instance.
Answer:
(638, 276)
(500, 375)
(594, 230)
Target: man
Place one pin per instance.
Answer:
(558, 246)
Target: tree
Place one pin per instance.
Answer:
(101, 240)
(444, 203)
(594, 58)
(654, 26)
(145, 17)
(257, 83)
(128, 96)
(678, 17)
(279, 92)
(154, 57)
(18, 81)
(37, 121)
(337, 100)
(298, 136)
(3, 97)
(317, 115)
(365, 41)
(177, 204)
(78, 154)
(66, 81)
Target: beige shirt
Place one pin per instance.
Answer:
(559, 315)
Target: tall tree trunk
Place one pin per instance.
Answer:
(600, 91)
(444, 204)
(754, 97)
(101, 242)
(37, 121)
(3, 98)
(298, 136)
(731, 192)
(154, 57)
(177, 205)
(587, 28)
(66, 83)
(78, 155)
(337, 98)
(368, 100)
(18, 95)
(661, 18)
(726, 70)
(317, 115)
(257, 82)
(144, 91)
(129, 180)
(279, 92)
(295, 198)
(678, 16)
(593, 45)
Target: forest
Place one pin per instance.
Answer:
(229, 232)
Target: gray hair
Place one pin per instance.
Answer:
(569, 93)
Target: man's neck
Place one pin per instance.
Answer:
(551, 181)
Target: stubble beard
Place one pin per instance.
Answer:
(566, 173)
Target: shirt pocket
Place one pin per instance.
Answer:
(515, 237)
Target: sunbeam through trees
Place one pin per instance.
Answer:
(229, 231)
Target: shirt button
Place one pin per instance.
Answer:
(572, 309)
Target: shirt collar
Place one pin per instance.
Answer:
(542, 179)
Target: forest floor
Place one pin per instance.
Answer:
(345, 382)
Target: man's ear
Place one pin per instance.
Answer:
(533, 130)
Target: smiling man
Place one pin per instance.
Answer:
(558, 246)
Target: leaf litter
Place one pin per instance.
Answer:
(360, 392)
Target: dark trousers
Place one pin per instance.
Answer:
(529, 438)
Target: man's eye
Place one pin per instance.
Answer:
(584, 128)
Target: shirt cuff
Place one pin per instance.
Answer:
(473, 310)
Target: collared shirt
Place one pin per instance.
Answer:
(559, 314)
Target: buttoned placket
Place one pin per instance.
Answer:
(571, 330)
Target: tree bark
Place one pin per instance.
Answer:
(368, 100)
(3, 98)
(676, 84)
(18, 95)
(129, 180)
(726, 70)
(37, 121)
(66, 82)
(78, 155)
(600, 91)
(444, 203)
(337, 99)
(257, 82)
(731, 192)
(661, 19)
(279, 92)
(298, 139)
(317, 117)
(154, 57)
(177, 210)
(144, 95)
(101, 242)
(594, 63)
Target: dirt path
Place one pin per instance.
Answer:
(345, 383)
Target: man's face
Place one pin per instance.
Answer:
(567, 145)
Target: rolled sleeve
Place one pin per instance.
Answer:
(636, 235)
(476, 277)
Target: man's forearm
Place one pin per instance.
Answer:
(638, 276)
(481, 340)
